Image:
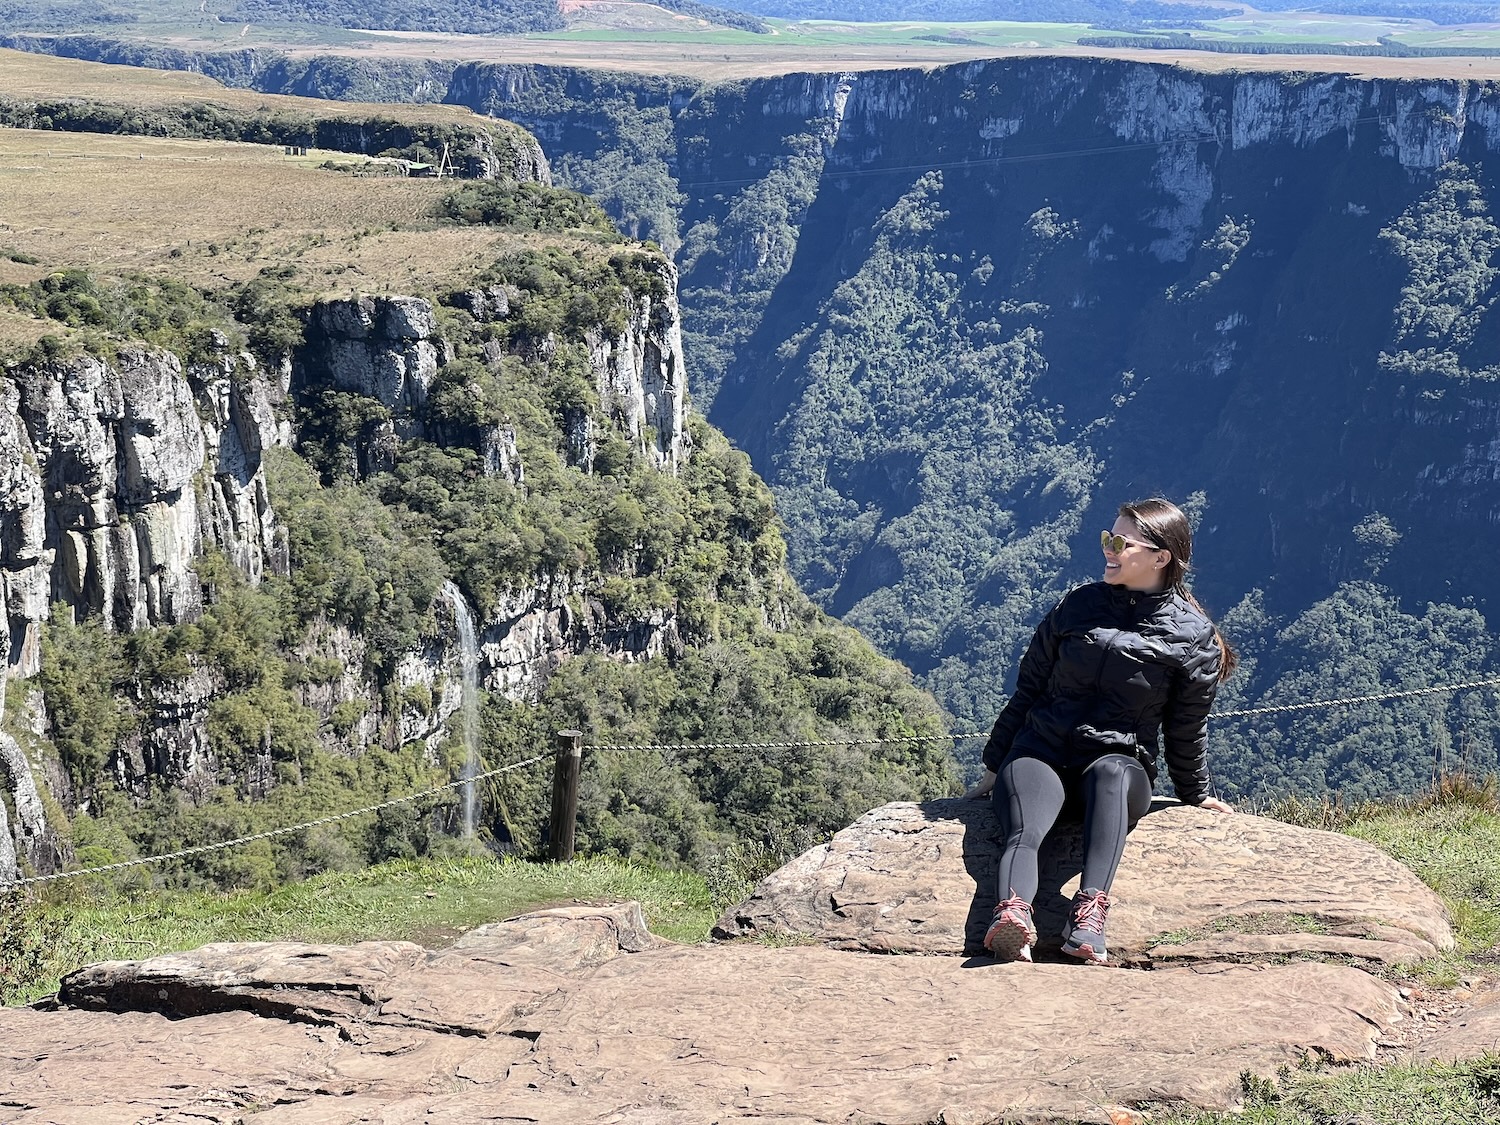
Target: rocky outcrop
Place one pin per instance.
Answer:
(29, 841)
(530, 632)
(386, 348)
(580, 1015)
(170, 742)
(117, 473)
(1193, 886)
(641, 376)
(391, 349)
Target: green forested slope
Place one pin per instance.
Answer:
(370, 545)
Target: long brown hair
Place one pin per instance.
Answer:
(1165, 524)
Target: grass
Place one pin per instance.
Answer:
(1462, 1093)
(213, 213)
(627, 40)
(26, 76)
(430, 902)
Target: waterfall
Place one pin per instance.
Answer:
(469, 653)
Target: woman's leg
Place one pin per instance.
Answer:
(1116, 794)
(1033, 796)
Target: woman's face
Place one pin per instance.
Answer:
(1139, 566)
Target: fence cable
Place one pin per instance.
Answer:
(804, 745)
(1237, 714)
(1279, 708)
(273, 832)
(636, 746)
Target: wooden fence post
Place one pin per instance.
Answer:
(565, 794)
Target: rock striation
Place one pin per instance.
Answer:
(1193, 886)
(578, 1014)
(640, 374)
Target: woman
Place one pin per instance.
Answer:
(1114, 663)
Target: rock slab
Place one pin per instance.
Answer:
(581, 1016)
(1193, 885)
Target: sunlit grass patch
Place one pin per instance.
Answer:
(1465, 1093)
(1449, 836)
(430, 902)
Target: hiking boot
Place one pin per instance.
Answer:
(1083, 934)
(1012, 933)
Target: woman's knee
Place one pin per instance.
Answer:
(1113, 770)
(1119, 775)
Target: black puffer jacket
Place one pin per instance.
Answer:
(1107, 669)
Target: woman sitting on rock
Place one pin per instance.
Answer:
(1114, 663)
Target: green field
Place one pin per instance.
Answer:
(644, 38)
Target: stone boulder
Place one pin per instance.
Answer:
(580, 1015)
(1193, 885)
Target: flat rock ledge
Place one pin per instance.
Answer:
(1194, 886)
(579, 1015)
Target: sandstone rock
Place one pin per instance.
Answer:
(1469, 1033)
(553, 1018)
(921, 878)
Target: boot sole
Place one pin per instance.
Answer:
(1008, 941)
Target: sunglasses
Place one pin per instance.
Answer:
(1116, 544)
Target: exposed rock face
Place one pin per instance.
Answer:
(580, 1015)
(642, 380)
(387, 348)
(171, 743)
(29, 838)
(532, 631)
(921, 878)
(116, 475)
(391, 349)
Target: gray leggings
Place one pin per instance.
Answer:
(1029, 797)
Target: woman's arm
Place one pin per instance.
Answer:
(1031, 681)
(1184, 724)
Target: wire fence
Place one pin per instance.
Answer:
(627, 747)
(271, 833)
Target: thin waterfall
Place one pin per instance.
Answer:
(468, 647)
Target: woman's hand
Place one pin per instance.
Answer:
(982, 787)
(1215, 805)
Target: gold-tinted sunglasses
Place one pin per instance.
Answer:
(1115, 544)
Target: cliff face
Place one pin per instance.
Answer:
(118, 472)
(121, 471)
